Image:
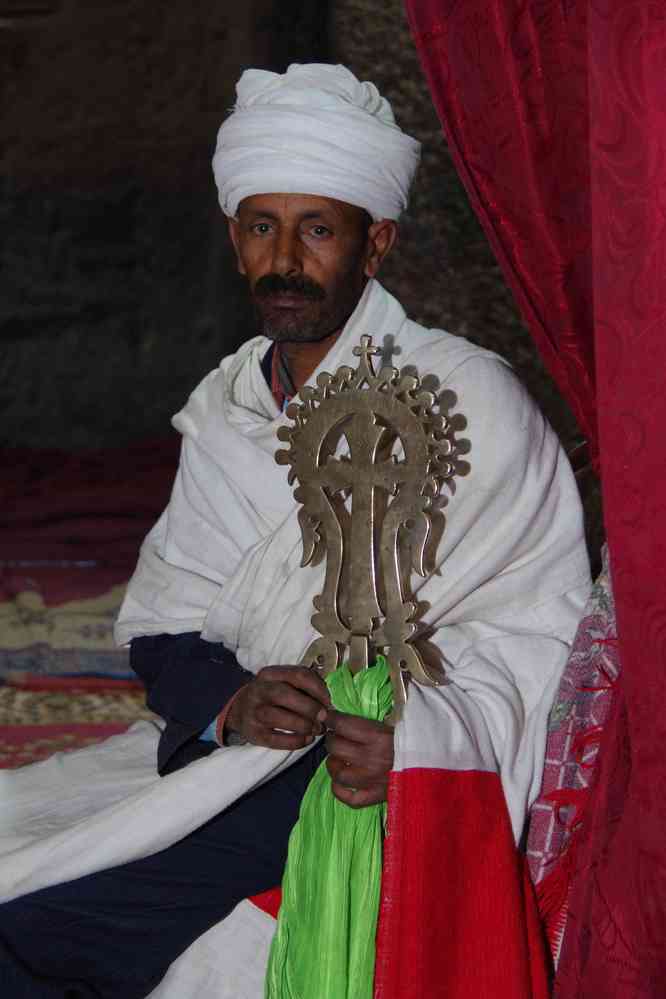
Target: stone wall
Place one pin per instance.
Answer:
(119, 291)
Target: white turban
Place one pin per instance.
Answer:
(316, 129)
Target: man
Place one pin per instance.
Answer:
(116, 872)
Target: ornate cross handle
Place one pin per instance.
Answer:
(370, 454)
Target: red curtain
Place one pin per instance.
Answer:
(555, 114)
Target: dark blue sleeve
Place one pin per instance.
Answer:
(188, 681)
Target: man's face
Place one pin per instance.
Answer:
(307, 260)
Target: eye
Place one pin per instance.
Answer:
(260, 228)
(320, 231)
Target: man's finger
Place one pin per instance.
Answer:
(293, 699)
(269, 739)
(301, 677)
(359, 798)
(273, 717)
(354, 776)
(376, 756)
(354, 728)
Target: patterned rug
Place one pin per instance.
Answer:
(70, 530)
(40, 716)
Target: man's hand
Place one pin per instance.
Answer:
(283, 707)
(360, 758)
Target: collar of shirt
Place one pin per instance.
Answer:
(280, 382)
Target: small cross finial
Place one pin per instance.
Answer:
(366, 350)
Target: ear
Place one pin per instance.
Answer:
(381, 240)
(234, 234)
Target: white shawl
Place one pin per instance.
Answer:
(511, 575)
(511, 581)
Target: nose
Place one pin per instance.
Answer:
(286, 254)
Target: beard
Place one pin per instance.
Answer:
(298, 309)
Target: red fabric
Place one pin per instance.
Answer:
(458, 918)
(580, 716)
(556, 119)
(268, 901)
(508, 79)
(614, 944)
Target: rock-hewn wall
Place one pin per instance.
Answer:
(118, 288)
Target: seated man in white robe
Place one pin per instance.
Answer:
(112, 885)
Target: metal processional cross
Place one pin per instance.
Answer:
(370, 453)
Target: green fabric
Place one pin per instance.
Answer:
(324, 945)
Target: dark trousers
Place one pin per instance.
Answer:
(113, 935)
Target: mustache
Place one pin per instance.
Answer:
(276, 284)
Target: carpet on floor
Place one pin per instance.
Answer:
(41, 715)
(70, 530)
